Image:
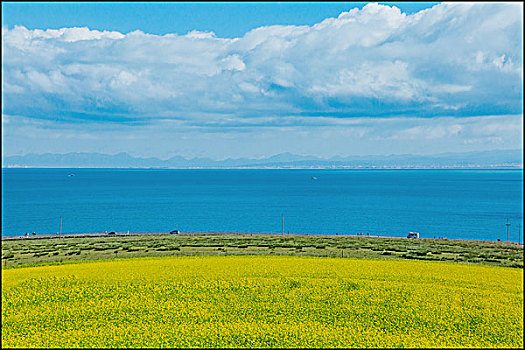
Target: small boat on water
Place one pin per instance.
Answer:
(314, 178)
(71, 175)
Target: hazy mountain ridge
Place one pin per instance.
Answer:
(124, 160)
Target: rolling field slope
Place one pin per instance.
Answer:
(23, 252)
(262, 301)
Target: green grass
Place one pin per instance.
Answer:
(35, 251)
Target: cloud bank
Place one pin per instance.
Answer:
(460, 60)
(453, 59)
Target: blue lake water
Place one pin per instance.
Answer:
(467, 204)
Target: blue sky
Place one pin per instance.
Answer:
(255, 79)
(226, 20)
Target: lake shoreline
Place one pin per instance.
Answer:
(131, 234)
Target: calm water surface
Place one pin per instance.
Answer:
(469, 204)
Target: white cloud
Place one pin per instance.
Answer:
(485, 129)
(233, 62)
(455, 55)
(76, 34)
(389, 80)
(195, 34)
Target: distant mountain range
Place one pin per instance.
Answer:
(491, 159)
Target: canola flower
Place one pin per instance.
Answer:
(263, 302)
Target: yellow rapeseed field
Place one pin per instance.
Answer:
(262, 301)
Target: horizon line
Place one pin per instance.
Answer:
(269, 156)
